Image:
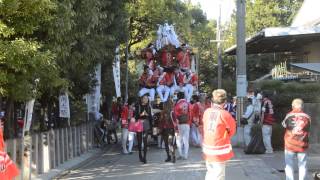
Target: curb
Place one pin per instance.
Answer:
(65, 168)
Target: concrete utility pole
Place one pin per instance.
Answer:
(127, 70)
(219, 47)
(241, 65)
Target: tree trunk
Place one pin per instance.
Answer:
(0, 103)
(9, 119)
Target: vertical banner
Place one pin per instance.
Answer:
(26, 138)
(93, 99)
(116, 72)
(193, 64)
(64, 107)
(28, 115)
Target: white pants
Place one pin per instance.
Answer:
(246, 134)
(188, 92)
(183, 140)
(266, 133)
(131, 140)
(215, 170)
(127, 136)
(290, 162)
(150, 91)
(195, 135)
(164, 92)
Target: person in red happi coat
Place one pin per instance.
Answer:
(8, 170)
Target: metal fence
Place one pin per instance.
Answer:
(51, 149)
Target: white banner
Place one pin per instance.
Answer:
(193, 64)
(93, 99)
(64, 107)
(116, 73)
(28, 115)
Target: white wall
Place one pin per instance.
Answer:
(312, 52)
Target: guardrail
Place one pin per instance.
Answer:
(51, 149)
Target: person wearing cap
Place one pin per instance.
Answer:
(296, 139)
(218, 128)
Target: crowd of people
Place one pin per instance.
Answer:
(210, 123)
(169, 110)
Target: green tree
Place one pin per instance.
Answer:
(23, 60)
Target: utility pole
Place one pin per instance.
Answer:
(127, 69)
(241, 65)
(218, 34)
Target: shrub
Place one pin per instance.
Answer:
(282, 95)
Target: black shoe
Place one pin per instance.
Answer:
(174, 159)
(141, 159)
(144, 161)
(168, 159)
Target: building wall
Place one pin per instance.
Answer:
(311, 52)
(313, 109)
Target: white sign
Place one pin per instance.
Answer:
(116, 73)
(28, 115)
(64, 107)
(93, 98)
(242, 85)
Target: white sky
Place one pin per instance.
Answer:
(211, 8)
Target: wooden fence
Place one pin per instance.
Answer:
(51, 149)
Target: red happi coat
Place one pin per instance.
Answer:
(143, 80)
(126, 115)
(153, 79)
(183, 59)
(8, 170)
(167, 79)
(197, 113)
(218, 128)
(181, 79)
(193, 79)
(180, 108)
(297, 124)
(166, 58)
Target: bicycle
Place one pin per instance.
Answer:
(100, 133)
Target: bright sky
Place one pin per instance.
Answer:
(211, 8)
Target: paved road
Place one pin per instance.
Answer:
(115, 166)
(110, 164)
